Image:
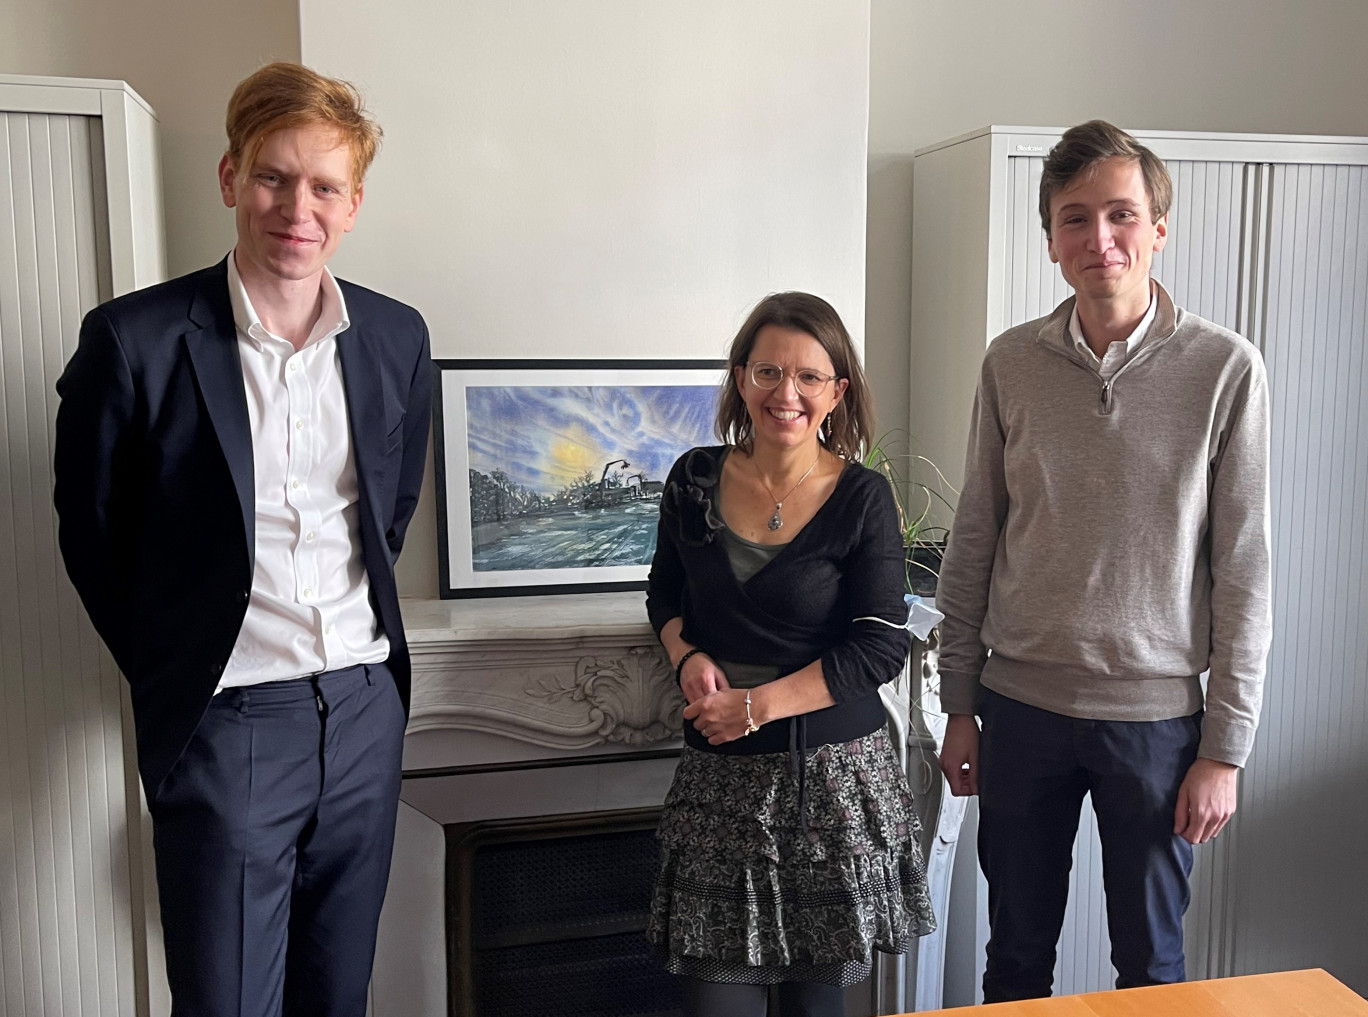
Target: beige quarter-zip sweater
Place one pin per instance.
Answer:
(1111, 541)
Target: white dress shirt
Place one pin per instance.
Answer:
(309, 609)
(1118, 352)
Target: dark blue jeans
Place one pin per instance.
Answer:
(273, 836)
(1034, 769)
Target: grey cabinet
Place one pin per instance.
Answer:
(80, 221)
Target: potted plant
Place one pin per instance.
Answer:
(923, 497)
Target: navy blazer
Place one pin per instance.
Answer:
(154, 485)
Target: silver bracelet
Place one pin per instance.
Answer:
(751, 725)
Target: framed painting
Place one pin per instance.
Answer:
(550, 472)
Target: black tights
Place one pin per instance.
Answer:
(796, 999)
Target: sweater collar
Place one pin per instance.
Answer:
(1054, 332)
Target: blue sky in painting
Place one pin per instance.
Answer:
(544, 437)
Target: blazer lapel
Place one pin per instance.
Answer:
(213, 354)
(366, 412)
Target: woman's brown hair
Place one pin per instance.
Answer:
(852, 420)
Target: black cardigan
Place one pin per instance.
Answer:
(846, 563)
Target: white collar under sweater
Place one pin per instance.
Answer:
(1117, 352)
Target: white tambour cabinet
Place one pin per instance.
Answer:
(80, 221)
(1268, 235)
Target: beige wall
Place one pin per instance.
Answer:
(938, 69)
(603, 178)
(935, 70)
(182, 57)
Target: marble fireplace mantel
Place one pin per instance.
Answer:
(522, 707)
(566, 705)
(500, 679)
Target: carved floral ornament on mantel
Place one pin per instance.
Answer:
(633, 699)
(545, 696)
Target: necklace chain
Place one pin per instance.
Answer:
(777, 520)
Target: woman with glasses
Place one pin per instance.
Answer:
(788, 840)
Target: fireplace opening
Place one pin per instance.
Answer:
(546, 918)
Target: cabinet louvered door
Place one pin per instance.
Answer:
(1299, 895)
(1204, 267)
(66, 915)
(1034, 285)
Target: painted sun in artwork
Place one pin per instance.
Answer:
(571, 476)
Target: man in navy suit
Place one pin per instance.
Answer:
(239, 452)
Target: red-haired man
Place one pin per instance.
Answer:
(239, 452)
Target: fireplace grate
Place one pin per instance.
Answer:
(563, 888)
(548, 915)
(600, 976)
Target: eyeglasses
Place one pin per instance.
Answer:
(809, 383)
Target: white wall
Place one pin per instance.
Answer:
(603, 178)
(940, 69)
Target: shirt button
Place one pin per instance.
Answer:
(294, 484)
(328, 631)
(294, 366)
(307, 593)
(299, 425)
(309, 535)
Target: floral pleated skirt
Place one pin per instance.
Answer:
(747, 892)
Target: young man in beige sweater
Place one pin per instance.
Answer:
(1111, 544)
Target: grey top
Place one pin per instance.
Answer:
(1112, 539)
(746, 558)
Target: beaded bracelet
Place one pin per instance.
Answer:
(679, 668)
(751, 725)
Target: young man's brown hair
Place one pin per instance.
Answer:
(1083, 147)
(285, 95)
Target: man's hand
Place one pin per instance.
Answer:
(959, 754)
(1206, 800)
(701, 677)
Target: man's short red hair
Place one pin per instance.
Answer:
(285, 95)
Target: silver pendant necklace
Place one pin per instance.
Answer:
(777, 520)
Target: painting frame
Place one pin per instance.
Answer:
(579, 385)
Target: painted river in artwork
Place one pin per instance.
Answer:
(569, 539)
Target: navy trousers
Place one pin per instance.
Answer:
(1034, 769)
(273, 836)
